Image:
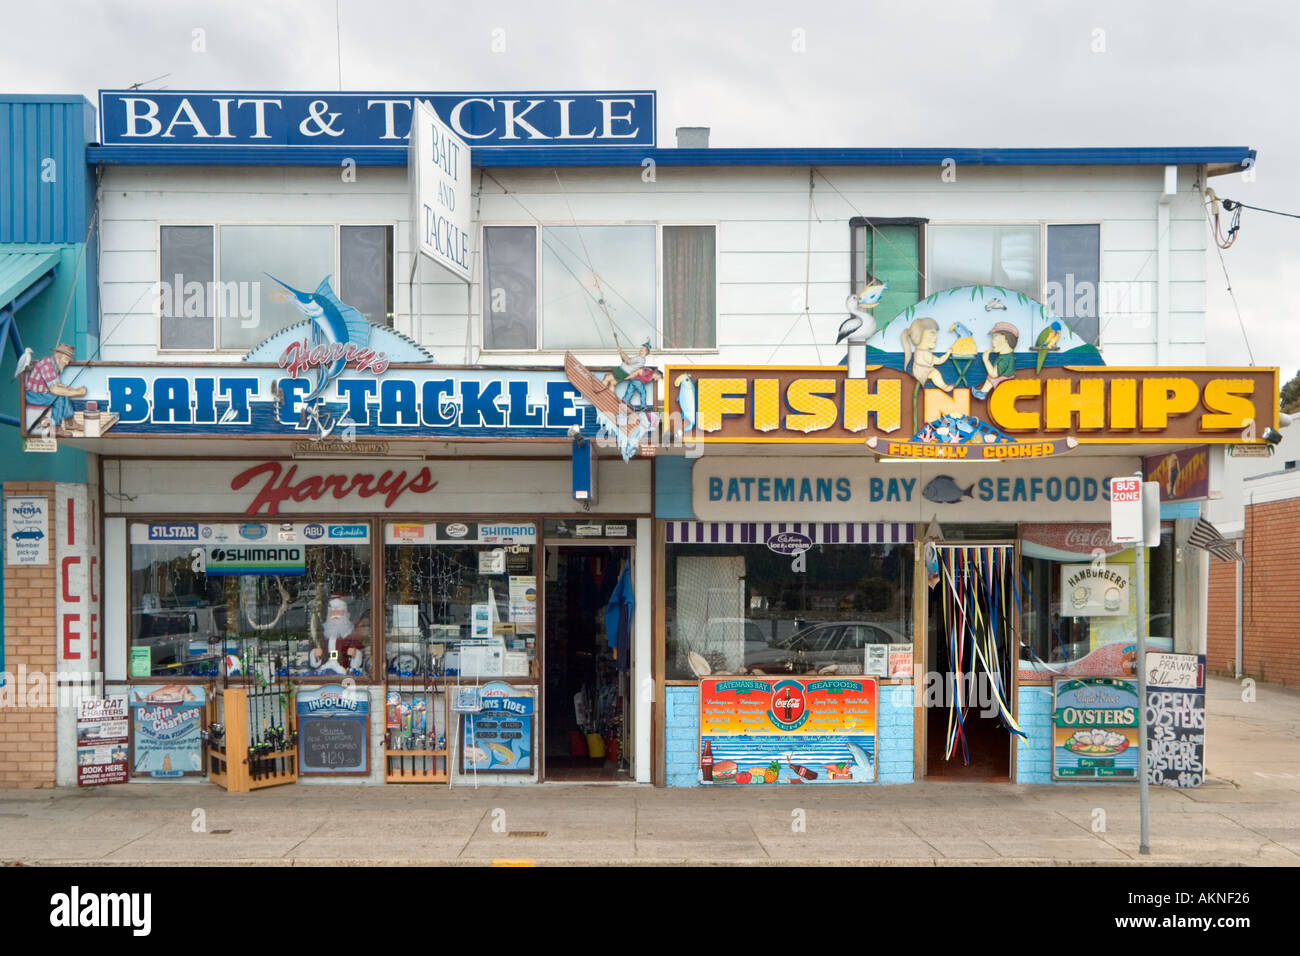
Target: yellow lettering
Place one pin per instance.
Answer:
(1229, 407)
(718, 397)
(813, 404)
(860, 403)
(1123, 403)
(1063, 403)
(1162, 397)
(939, 403)
(1002, 404)
(767, 404)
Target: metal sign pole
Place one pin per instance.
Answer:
(1144, 793)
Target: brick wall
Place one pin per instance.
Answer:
(1221, 653)
(27, 733)
(894, 761)
(1271, 593)
(1034, 751)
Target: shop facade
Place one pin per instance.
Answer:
(339, 525)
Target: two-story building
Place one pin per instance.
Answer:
(701, 465)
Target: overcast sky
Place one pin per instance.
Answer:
(1014, 73)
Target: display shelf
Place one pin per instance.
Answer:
(421, 765)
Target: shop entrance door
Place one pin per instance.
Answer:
(588, 662)
(972, 620)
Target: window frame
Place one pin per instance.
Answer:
(216, 227)
(537, 225)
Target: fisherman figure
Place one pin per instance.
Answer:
(42, 387)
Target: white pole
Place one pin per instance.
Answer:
(1144, 793)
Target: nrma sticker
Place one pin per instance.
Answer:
(173, 532)
(252, 531)
(349, 531)
(314, 532)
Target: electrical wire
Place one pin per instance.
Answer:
(1219, 247)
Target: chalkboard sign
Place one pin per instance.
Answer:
(333, 730)
(1176, 724)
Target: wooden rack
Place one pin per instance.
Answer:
(419, 766)
(234, 768)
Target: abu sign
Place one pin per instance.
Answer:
(439, 169)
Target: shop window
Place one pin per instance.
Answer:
(1079, 613)
(1004, 255)
(743, 608)
(305, 612)
(889, 250)
(595, 287)
(1073, 289)
(460, 599)
(214, 285)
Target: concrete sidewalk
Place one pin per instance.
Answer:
(1248, 813)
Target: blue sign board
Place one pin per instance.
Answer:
(244, 119)
(333, 730)
(499, 737)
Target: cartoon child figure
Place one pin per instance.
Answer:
(42, 386)
(919, 340)
(1004, 337)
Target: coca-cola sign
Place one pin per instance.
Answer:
(1078, 539)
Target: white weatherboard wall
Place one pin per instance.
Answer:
(762, 214)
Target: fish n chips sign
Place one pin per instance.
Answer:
(1031, 414)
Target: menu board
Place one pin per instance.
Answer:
(167, 730)
(788, 730)
(499, 737)
(102, 737)
(1095, 729)
(333, 730)
(1176, 720)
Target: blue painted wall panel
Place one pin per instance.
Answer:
(673, 487)
(46, 188)
(1034, 752)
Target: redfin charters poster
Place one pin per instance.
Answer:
(788, 730)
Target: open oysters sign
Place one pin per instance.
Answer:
(1095, 729)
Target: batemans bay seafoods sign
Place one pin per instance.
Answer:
(788, 730)
(970, 374)
(1095, 729)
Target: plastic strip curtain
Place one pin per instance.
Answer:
(979, 602)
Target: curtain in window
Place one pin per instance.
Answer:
(690, 288)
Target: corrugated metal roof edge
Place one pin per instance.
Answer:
(631, 156)
(45, 98)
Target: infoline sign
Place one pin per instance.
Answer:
(439, 171)
(225, 118)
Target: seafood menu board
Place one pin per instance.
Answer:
(167, 730)
(1176, 720)
(333, 730)
(102, 737)
(499, 738)
(1095, 729)
(788, 730)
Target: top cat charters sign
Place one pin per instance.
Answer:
(439, 168)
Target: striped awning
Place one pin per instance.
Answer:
(739, 532)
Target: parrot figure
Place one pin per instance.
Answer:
(1047, 340)
(965, 344)
(686, 400)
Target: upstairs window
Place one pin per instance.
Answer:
(889, 250)
(596, 287)
(214, 290)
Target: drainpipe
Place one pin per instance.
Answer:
(1236, 574)
(1162, 258)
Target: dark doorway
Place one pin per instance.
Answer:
(588, 662)
(971, 622)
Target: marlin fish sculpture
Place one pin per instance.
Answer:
(333, 323)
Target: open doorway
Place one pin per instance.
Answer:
(971, 624)
(588, 662)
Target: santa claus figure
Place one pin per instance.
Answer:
(343, 653)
